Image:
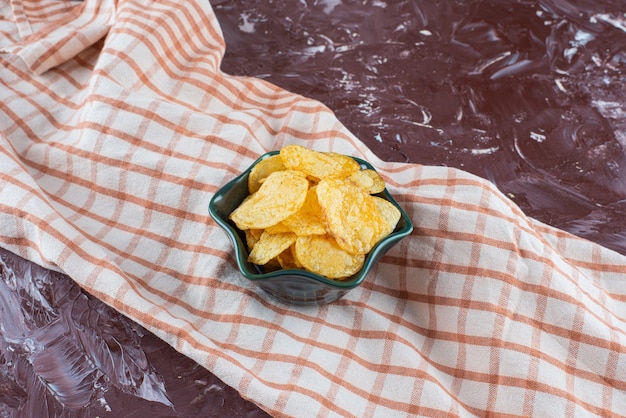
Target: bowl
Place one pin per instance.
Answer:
(296, 286)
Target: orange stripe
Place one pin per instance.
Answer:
(283, 358)
(255, 320)
(50, 10)
(526, 227)
(221, 117)
(497, 274)
(39, 87)
(114, 103)
(217, 94)
(510, 281)
(431, 300)
(115, 249)
(167, 48)
(62, 17)
(173, 42)
(124, 197)
(121, 135)
(468, 284)
(475, 376)
(538, 229)
(76, 13)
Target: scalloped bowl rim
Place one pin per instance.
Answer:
(242, 254)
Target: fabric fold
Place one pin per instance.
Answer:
(71, 28)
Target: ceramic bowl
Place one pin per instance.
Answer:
(294, 285)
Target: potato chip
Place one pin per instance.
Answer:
(315, 164)
(389, 212)
(349, 164)
(280, 196)
(320, 254)
(252, 237)
(362, 179)
(351, 215)
(287, 259)
(263, 169)
(308, 220)
(369, 180)
(279, 228)
(270, 246)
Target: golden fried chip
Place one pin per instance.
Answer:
(351, 215)
(308, 220)
(369, 180)
(287, 259)
(389, 211)
(320, 254)
(379, 183)
(279, 228)
(317, 165)
(270, 246)
(362, 179)
(262, 169)
(349, 164)
(252, 237)
(280, 196)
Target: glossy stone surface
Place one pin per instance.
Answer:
(64, 353)
(529, 94)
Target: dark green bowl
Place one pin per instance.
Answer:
(294, 285)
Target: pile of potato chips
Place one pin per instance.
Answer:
(315, 211)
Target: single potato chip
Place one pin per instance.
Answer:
(351, 215)
(279, 228)
(389, 212)
(263, 169)
(270, 246)
(280, 196)
(369, 180)
(308, 220)
(287, 259)
(252, 237)
(349, 165)
(318, 165)
(362, 179)
(320, 254)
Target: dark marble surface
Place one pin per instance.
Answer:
(64, 353)
(528, 94)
